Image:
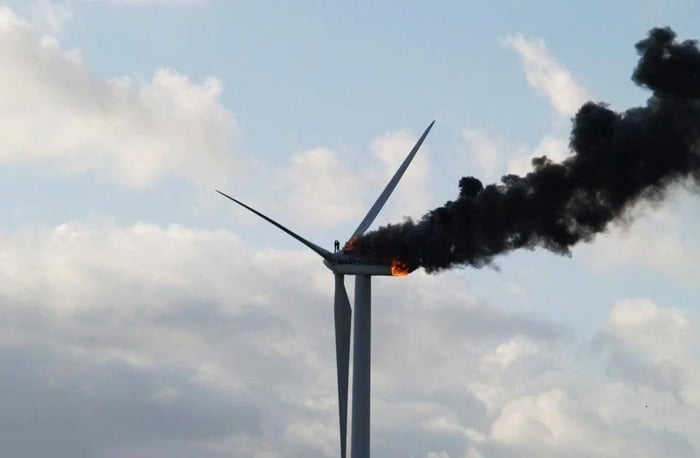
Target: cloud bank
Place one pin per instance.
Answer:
(57, 113)
(159, 352)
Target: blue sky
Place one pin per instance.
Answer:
(129, 286)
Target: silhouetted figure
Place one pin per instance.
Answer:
(336, 246)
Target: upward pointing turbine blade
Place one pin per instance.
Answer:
(374, 211)
(325, 254)
(343, 317)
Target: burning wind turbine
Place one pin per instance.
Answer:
(618, 159)
(363, 266)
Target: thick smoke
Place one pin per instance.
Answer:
(618, 158)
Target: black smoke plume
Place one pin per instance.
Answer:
(618, 159)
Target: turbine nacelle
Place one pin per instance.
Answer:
(346, 262)
(349, 264)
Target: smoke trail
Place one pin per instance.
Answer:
(618, 158)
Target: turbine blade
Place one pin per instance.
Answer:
(343, 318)
(323, 253)
(374, 211)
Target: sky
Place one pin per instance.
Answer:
(145, 315)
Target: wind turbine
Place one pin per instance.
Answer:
(363, 267)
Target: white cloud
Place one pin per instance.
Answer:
(547, 76)
(487, 152)
(497, 158)
(442, 454)
(554, 147)
(57, 112)
(413, 193)
(635, 398)
(649, 328)
(665, 339)
(508, 353)
(651, 235)
(319, 187)
(540, 418)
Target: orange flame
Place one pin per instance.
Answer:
(350, 245)
(399, 268)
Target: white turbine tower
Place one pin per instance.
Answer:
(363, 267)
